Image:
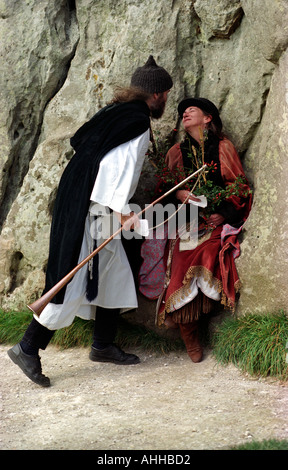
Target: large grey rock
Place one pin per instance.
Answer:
(37, 41)
(219, 18)
(263, 263)
(269, 26)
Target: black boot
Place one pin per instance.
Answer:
(30, 365)
(113, 353)
(103, 347)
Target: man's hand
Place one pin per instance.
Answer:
(128, 221)
(184, 195)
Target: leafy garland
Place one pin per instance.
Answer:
(201, 185)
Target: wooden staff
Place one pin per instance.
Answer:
(38, 306)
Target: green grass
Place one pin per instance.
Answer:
(254, 343)
(14, 324)
(271, 444)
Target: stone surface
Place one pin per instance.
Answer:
(219, 18)
(37, 42)
(268, 20)
(263, 263)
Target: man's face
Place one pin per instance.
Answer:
(158, 106)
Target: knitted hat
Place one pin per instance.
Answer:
(203, 104)
(151, 78)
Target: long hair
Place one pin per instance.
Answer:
(211, 126)
(126, 94)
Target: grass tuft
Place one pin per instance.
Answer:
(269, 444)
(254, 343)
(13, 326)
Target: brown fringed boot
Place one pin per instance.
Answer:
(190, 336)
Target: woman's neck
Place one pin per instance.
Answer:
(195, 133)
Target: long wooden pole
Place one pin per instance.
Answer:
(38, 306)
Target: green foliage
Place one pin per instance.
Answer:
(216, 194)
(254, 343)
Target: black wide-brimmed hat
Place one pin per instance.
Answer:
(203, 104)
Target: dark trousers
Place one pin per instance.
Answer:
(38, 336)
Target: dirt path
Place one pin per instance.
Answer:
(166, 402)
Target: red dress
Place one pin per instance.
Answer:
(188, 282)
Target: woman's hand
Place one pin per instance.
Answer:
(183, 194)
(215, 219)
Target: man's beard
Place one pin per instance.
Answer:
(157, 109)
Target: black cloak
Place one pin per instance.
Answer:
(111, 126)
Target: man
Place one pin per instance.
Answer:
(96, 187)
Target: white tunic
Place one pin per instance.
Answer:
(116, 182)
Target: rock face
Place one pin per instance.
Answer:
(61, 61)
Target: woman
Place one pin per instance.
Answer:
(197, 279)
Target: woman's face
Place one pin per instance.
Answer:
(194, 118)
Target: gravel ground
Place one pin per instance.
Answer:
(165, 402)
